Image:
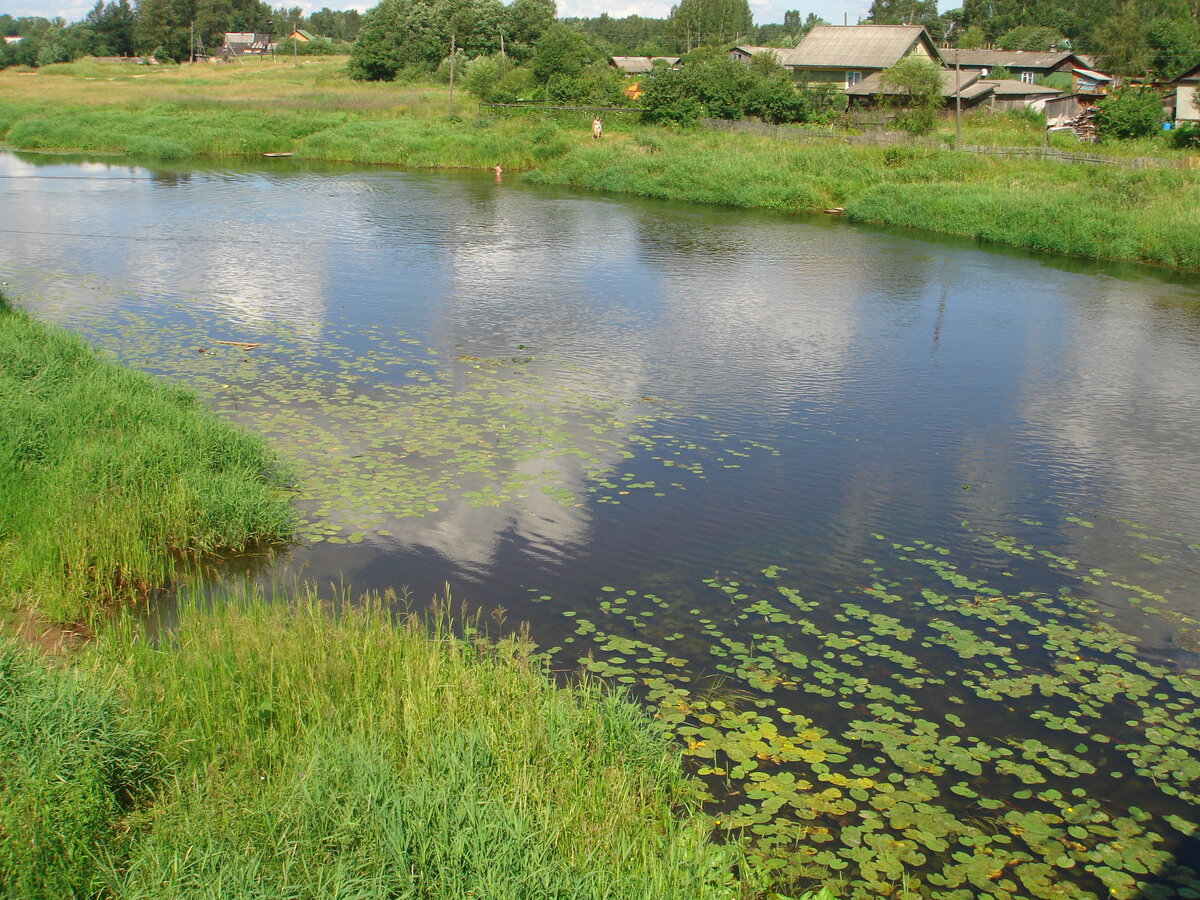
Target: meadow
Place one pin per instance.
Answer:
(314, 111)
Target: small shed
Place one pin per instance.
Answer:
(745, 52)
(301, 36)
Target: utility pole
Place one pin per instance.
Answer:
(502, 42)
(192, 43)
(957, 106)
(452, 53)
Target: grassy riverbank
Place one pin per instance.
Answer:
(315, 112)
(278, 747)
(281, 749)
(110, 478)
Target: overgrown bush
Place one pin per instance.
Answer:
(916, 84)
(481, 75)
(1128, 113)
(1186, 137)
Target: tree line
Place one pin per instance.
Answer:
(168, 29)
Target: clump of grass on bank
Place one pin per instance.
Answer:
(320, 753)
(108, 477)
(71, 762)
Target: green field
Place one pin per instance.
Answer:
(315, 111)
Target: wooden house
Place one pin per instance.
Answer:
(965, 89)
(847, 54)
(1035, 66)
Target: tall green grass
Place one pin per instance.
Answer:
(321, 753)
(72, 761)
(108, 477)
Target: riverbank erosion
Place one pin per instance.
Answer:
(314, 112)
(112, 479)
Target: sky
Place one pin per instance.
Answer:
(764, 10)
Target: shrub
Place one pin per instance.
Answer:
(1186, 137)
(481, 75)
(917, 84)
(1128, 113)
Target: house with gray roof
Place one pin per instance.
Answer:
(1032, 66)
(965, 88)
(846, 54)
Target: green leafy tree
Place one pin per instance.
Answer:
(337, 25)
(165, 26)
(114, 24)
(1031, 37)
(1128, 113)
(1124, 46)
(1174, 46)
(917, 86)
(907, 12)
(562, 51)
(416, 34)
(710, 22)
(525, 21)
(971, 38)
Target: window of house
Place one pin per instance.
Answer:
(853, 78)
(1027, 77)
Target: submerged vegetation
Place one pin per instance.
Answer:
(316, 112)
(929, 734)
(110, 478)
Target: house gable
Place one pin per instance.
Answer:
(846, 54)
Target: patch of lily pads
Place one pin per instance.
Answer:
(376, 428)
(928, 734)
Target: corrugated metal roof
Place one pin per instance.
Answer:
(856, 46)
(1009, 59)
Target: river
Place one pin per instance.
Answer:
(831, 474)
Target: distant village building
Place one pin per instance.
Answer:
(846, 54)
(1181, 104)
(1030, 65)
(301, 36)
(971, 90)
(243, 43)
(640, 65)
(12, 39)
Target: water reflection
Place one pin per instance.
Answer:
(885, 372)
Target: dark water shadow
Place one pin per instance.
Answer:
(1180, 876)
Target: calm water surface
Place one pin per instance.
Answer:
(797, 393)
